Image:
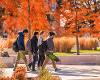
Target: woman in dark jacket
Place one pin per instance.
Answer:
(41, 50)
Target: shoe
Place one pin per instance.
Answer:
(28, 69)
(29, 65)
(33, 70)
(57, 69)
(14, 69)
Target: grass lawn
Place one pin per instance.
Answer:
(87, 51)
(73, 52)
(64, 54)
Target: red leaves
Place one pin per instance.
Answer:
(17, 14)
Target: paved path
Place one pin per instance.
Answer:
(69, 72)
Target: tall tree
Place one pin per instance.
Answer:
(22, 13)
(81, 17)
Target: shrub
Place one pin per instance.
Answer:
(2, 64)
(19, 74)
(6, 43)
(57, 44)
(88, 43)
(64, 44)
(44, 74)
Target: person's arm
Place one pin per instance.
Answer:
(34, 44)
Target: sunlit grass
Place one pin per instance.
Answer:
(86, 51)
(64, 54)
(82, 52)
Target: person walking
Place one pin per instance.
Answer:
(34, 42)
(41, 50)
(50, 50)
(21, 48)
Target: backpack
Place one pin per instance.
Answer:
(28, 45)
(15, 46)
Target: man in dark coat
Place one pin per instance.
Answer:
(34, 42)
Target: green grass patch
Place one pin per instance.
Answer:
(82, 52)
(64, 54)
(98, 49)
(86, 51)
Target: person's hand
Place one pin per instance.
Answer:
(51, 51)
(30, 58)
(33, 54)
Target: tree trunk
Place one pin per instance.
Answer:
(29, 22)
(77, 29)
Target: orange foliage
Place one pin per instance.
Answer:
(17, 15)
(83, 14)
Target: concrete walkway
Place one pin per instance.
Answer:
(68, 72)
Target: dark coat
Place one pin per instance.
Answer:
(34, 42)
(20, 41)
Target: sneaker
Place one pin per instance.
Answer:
(29, 65)
(57, 69)
(28, 69)
(14, 69)
(33, 70)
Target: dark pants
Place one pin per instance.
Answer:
(41, 56)
(35, 58)
(41, 60)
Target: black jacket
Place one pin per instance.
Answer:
(34, 42)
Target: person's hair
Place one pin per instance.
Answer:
(25, 31)
(35, 33)
(41, 32)
(51, 33)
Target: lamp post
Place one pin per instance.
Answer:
(77, 29)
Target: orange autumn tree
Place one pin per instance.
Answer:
(51, 14)
(80, 18)
(17, 15)
(88, 19)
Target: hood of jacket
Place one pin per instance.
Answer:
(20, 34)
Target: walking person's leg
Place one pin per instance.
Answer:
(25, 60)
(45, 62)
(17, 61)
(39, 60)
(30, 60)
(42, 59)
(34, 62)
(54, 64)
